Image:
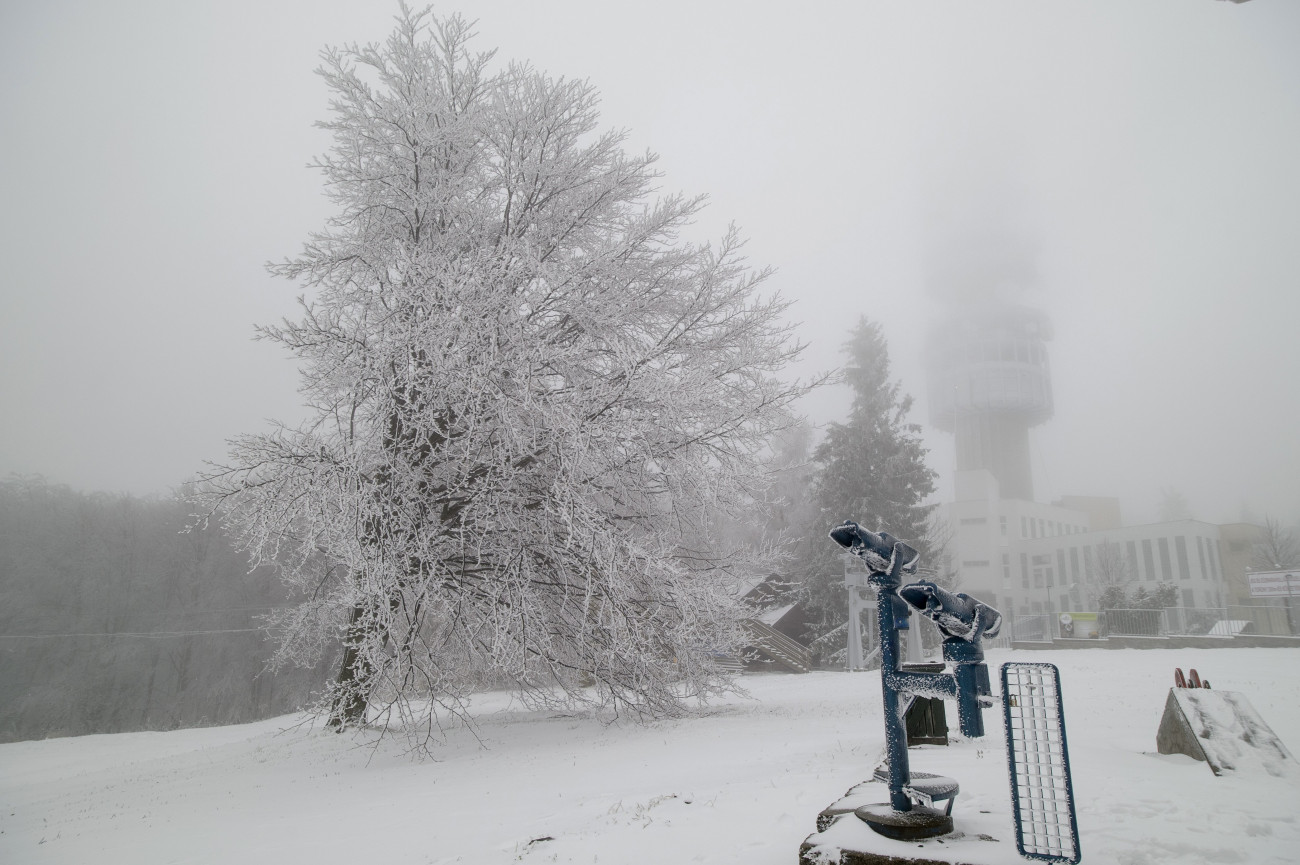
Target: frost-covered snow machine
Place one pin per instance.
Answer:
(964, 622)
(1042, 794)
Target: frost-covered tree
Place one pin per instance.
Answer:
(1113, 575)
(1141, 600)
(1278, 546)
(870, 469)
(784, 516)
(1174, 505)
(531, 400)
(1165, 595)
(1113, 597)
(1113, 569)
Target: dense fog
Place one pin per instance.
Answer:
(116, 619)
(1130, 169)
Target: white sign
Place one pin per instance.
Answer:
(1274, 584)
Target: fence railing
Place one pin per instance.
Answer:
(1037, 628)
(1228, 621)
(1133, 623)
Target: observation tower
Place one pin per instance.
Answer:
(989, 383)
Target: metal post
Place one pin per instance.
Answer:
(1290, 619)
(855, 580)
(972, 683)
(915, 651)
(895, 731)
(856, 661)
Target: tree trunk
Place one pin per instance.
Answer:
(351, 696)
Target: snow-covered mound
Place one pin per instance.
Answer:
(741, 782)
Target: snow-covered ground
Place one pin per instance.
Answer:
(742, 782)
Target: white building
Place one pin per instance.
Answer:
(990, 383)
(1026, 558)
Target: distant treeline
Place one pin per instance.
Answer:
(114, 619)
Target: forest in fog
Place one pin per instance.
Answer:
(113, 618)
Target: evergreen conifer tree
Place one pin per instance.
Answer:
(870, 469)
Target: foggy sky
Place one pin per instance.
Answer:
(1132, 167)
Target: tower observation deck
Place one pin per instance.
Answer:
(989, 383)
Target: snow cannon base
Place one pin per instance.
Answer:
(915, 825)
(844, 838)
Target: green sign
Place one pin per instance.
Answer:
(1080, 626)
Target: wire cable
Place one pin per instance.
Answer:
(146, 634)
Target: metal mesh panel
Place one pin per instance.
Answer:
(1042, 798)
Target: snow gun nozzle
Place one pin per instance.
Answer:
(850, 535)
(878, 550)
(956, 614)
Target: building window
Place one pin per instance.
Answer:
(1200, 552)
(1024, 570)
(1060, 564)
(1131, 547)
(1024, 527)
(1042, 571)
(1166, 569)
(1074, 564)
(1002, 523)
(1180, 548)
(1148, 560)
(1214, 559)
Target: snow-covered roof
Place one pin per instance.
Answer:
(774, 615)
(749, 582)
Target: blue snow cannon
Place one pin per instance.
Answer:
(963, 621)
